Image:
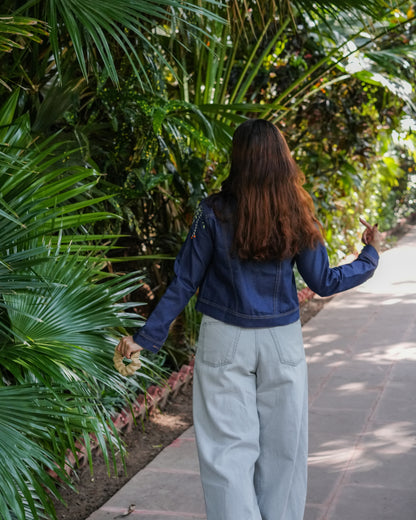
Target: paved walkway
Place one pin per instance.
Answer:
(361, 351)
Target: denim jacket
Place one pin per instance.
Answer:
(244, 293)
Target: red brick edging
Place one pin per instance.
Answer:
(156, 397)
(305, 294)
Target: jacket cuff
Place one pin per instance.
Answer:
(145, 342)
(370, 253)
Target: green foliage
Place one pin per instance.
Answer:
(14, 30)
(96, 28)
(148, 93)
(60, 317)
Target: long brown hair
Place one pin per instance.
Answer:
(273, 216)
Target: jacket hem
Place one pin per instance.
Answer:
(245, 320)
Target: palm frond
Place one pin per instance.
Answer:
(38, 425)
(60, 318)
(41, 197)
(97, 26)
(332, 8)
(15, 31)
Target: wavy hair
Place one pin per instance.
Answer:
(273, 215)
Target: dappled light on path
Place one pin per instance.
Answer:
(361, 353)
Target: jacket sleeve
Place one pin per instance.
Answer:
(190, 267)
(313, 266)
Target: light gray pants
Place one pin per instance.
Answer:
(250, 416)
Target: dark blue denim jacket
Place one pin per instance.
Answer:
(244, 293)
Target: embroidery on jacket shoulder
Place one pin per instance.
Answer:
(197, 221)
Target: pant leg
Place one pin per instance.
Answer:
(282, 403)
(226, 420)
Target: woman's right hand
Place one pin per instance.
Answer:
(127, 346)
(371, 235)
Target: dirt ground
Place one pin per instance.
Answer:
(143, 443)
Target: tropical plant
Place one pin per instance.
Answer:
(163, 140)
(60, 316)
(100, 31)
(148, 93)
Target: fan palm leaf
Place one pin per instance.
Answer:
(69, 323)
(37, 423)
(60, 318)
(42, 195)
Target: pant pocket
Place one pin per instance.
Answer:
(288, 341)
(217, 342)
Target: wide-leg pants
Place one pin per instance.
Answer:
(250, 417)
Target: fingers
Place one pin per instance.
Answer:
(376, 239)
(365, 223)
(376, 233)
(365, 237)
(371, 235)
(120, 346)
(127, 346)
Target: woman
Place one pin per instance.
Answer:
(250, 380)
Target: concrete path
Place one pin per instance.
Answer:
(361, 351)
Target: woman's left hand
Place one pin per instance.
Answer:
(127, 346)
(371, 235)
